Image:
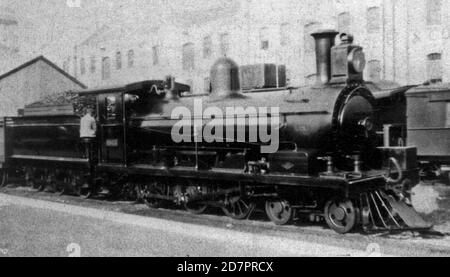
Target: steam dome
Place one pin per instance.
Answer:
(225, 78)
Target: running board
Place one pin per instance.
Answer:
(382, 212)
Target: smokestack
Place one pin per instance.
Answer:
(324, 43)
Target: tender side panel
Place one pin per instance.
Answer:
(2, 144)
(45, 137)
(429, 123)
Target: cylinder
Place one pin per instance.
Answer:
(324, 42)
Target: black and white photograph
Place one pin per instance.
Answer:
(241, 131)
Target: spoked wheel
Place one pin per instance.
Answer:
(41, 186)
(153, 203)
(144, 194)
(34, 184)
(83, 191)
(238, 208)
(279, 211)
(29, 179)
(340, 216)
(195, 208)
(59, 188)
(38, 182)
(4, 181)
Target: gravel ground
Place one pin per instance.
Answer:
(404, 244)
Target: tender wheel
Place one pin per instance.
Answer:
(4, 181)
(153, 203)
(83, 191)
(41, 186)
(279, 211)
(238, 208)
(195, 208)
(29, 179)
(58, 187)
(340, 216)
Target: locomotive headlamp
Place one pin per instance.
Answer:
(347, 62)
(357, 60)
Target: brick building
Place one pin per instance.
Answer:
(9, 46)
(404, 40)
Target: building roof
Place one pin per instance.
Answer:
(45, 60)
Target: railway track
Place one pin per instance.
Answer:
(405, 243)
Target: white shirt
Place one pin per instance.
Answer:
(88, 126)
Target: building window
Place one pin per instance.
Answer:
(224, 44)
(118, 60)
(93, 64)
(106, 68)
(155, 54)
(264, 38)
(82, 66)
(285, 35)
(374, 68)
(434, 9)
(130, 58)
(207, 85)
(344, 22)
(373, 20)
(434, 67)
(310, 28)
(188, 56)
(207, 47)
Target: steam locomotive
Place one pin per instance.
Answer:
(327, 161)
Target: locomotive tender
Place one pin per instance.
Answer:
(327, 162)
(419, 116)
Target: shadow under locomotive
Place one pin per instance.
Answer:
(328, 164)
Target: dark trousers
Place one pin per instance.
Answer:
(88, 145)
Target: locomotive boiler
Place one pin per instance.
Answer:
(293, 151)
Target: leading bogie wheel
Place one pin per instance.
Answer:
(340, 216)
(279, 211)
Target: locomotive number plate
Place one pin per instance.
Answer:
(112, 143)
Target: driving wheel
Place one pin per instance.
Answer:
(238, 208)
